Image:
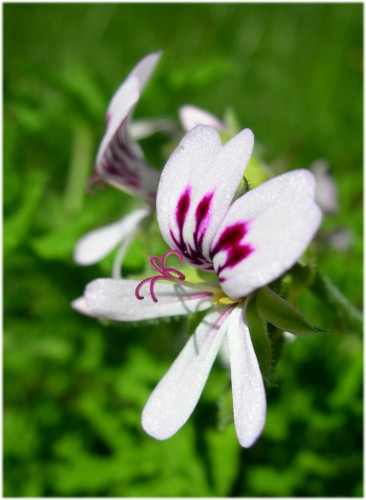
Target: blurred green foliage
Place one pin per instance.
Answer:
(74, 389)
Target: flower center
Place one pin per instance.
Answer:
(220, 298)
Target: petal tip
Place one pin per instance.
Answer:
(151, 426)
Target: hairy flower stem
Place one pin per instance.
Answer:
(331, 296)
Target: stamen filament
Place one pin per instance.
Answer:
(173, 275)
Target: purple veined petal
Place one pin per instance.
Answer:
(191, 116)
(120, 160)
(116, 300)
(96, 244)
(121, 106)
(121, 167)
(265, 232)
(175, 397)
(249, 397)
(128, 93)
(196, 188)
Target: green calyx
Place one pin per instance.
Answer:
(261, 341)
(283, 315)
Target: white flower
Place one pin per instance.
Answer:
(190, 116)
(244, 244)
(120, 162)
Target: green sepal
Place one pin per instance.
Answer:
(261, 342)
(333, 299)
(280, 313)
(243, 188)
(257, 171)
(302, 275)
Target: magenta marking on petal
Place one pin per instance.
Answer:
(202, 211)
(202, 220)
(236, 255)
(231, 242)
(230, 237)
(116, 167)
(121, 142)
(193, 253)
(120, 161)
(199, 295)
(182, 208)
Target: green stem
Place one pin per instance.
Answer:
(79, 169)
(323, 288)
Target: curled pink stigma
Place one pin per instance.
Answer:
(165, 273)
(94, 179)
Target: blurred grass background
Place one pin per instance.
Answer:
(74, 389)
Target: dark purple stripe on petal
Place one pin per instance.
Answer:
(120, 141)
(236, 255)
(120, 170)
(182, 208)
(230, 237)
(193, 254)
(231, 242)
(202, 213)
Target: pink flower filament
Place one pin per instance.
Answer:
(165, 273)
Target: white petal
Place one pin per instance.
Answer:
(145, 68)
(116, 300)
(129, 92)
(265, 232)
(249, 397)
(96, 244)
(224, 353)
(191, 116)
(175, 397)
(140, 129)
(196, 188)
(121, 106)
(81, 306)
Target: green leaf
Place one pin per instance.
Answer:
(261, 342)
(280, 313)
(18, 226)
